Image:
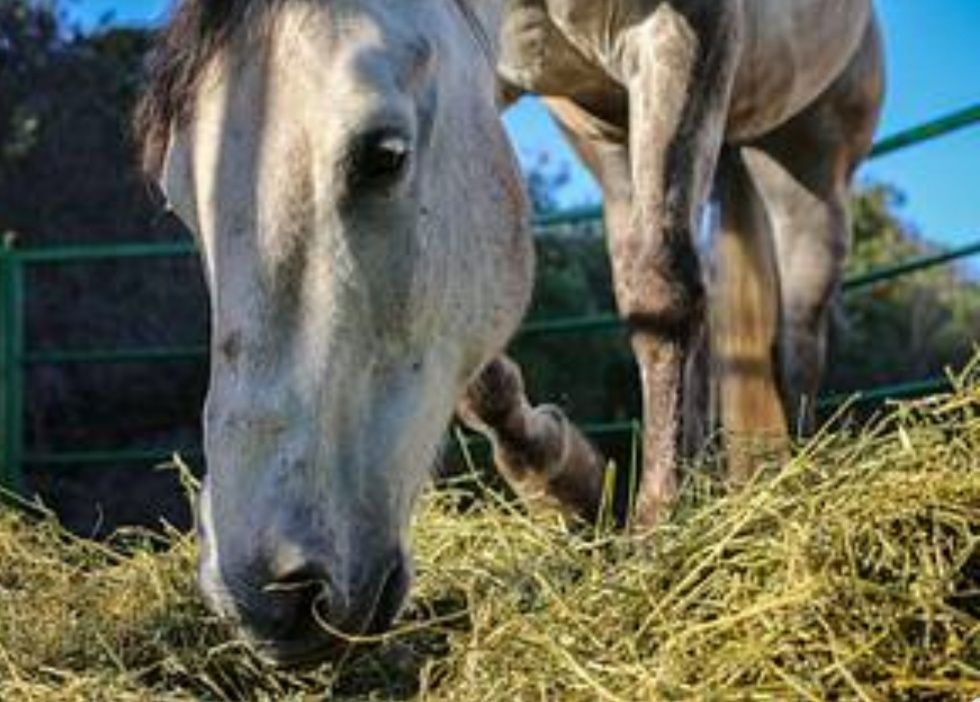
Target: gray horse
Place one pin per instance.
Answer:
(366, 243)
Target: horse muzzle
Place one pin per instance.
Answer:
(299, 618)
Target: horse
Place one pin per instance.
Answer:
(366, 242)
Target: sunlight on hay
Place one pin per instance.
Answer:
(852, 573)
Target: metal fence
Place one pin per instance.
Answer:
(15, 357)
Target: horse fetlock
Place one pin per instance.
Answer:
(662, 363)
(748, 451)
(665, 303)
(537, 449)
(657, 493)
(537, 444)
(551, 462)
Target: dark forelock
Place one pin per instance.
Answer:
(198, 30)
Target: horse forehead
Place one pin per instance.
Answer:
(354, 44)
(336, 24)
(333, 62)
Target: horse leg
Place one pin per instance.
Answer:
(812, 237)
(538, 451)
(540, 454)
(744, 322)
(803, 171)
(684, 65)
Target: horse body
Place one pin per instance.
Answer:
(581, 50)
(368, 254)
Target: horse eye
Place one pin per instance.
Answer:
(380, 158)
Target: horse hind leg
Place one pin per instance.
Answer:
(803, 171)
(537, 450)
(812, 239)
(744, 321)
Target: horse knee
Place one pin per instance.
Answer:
(494, 397)
(659, 290)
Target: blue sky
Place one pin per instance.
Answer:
(934, 68)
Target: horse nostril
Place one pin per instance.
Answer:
(290, 603)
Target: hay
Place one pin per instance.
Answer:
(852, 573)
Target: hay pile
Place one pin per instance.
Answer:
(853, 573)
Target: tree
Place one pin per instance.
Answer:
(544, 179)
(68, 175)
(911, 327)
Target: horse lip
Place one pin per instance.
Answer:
(322, 644)
(319, 647)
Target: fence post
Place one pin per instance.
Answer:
(11, 370)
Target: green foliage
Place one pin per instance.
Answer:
(65, 152)
(907, 328)
(28, 37)
(68, 175)
(544, 180)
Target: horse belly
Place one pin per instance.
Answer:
(537, 57)
(794, 50)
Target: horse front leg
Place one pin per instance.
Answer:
(538, 451)
(683, 65)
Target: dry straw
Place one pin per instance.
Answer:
(851, 573)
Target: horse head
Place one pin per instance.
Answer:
(363, 230)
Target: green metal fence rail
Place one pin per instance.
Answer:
(15, 357)
(900, 391)
(610, 322)
(933, 129)
(12, 376)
